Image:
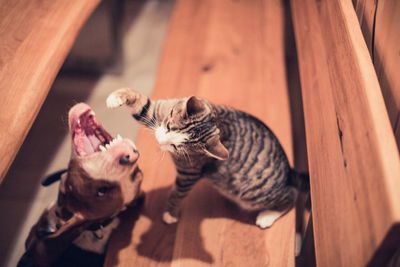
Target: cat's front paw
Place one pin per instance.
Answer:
(124, 96)
(169, 219)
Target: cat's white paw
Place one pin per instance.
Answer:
(115, 100)
(297, 245)
(267, 218)
(168, 218)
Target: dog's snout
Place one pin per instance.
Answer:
(125, 160)
(129, 158)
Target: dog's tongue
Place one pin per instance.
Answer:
(86, 145)
(87, 133)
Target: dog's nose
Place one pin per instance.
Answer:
(129, 159)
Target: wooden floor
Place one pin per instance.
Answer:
(230, 52)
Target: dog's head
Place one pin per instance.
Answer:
(101, 180)
(103, 175)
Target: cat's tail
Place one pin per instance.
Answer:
(300, 180)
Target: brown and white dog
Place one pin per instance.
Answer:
(102, 179)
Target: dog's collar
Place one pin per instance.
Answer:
(98, 226)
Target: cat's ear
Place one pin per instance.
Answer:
(216, 149)
(194, 106)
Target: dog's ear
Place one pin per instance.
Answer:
(54, 177)
(53, 224)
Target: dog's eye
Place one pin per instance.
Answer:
(103, 190)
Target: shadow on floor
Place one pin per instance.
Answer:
(158, 241)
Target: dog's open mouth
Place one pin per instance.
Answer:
(88, 134)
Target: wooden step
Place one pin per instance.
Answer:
(384, 21)
(353, 159)
(230, 52)
(35, 39)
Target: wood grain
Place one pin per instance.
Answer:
(353, 159)
(366, 11)
(387, 58)
(383, 20)
(231, 52)
(35, 37)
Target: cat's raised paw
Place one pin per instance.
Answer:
(168, 218)
(114, 101)
(121, 97)
(266, 219)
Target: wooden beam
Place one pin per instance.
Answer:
(366, 11)
(353, 159)
(230, 52)
(383, 20)
(386, 58)
(35, 39)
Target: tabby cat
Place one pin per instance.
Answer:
(236, 151)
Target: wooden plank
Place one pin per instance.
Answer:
(353, 159)
(35, 37)
(387, 57)
(231, 52)
(383, 21)
(366, 11)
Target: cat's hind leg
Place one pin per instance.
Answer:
(282, 205)
(266, 218)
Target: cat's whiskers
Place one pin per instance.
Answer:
(187, 155)
(179, 152)
(162, 155)
(150, 122)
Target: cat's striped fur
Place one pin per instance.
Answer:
(236, 151)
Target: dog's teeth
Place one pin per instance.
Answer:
(108, 146)
(102, 148)
(119, 137)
